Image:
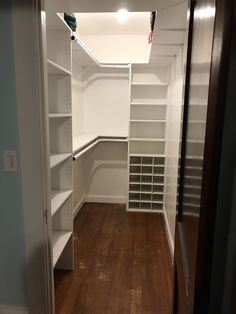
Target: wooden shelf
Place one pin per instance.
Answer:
(161, 103)
(56, 159)
(148, 84)
(59, 115)
(58, 198)
(59, 240)
(149, 139)
(56, 69)
(148, 121)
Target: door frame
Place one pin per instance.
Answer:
(30, 94)
(212, 154)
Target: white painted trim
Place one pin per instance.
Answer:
(134, 210)
(105, 199)
(78, 207)
(6, 309)
(169, 236)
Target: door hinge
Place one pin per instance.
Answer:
(45, 214)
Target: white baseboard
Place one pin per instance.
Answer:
(78, 207)
(105, 199)
(154, 211)
(169, 235)
(6, 309)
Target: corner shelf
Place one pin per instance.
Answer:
(56, 69)
(59, 115)
(58, 198)
(59, 241)
(56, 159)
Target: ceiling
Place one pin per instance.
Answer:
(105, 36)
(108, 24)
(108, 5)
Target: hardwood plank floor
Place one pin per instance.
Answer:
(122, 264)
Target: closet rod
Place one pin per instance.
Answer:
(100, 139)
(76, 39)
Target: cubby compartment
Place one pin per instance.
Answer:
(60, 130)
(135, 169)
(149, 94)
(157, 198)
(142, 147)
(158, 188)
(134, 196)
(159, 170)
(149, 75)
(147, 112)
(134, 187)
(146, 170)
(59, 94)
(146, 188)
(147, 130)
(134, 205)
(157, 206)
(146, 197)
(158, 180)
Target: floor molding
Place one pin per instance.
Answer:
(168, 233)
(6, 309)
(78, 207)
(105, 199)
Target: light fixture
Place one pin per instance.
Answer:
(122, 15)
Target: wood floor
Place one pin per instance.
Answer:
(122, 264)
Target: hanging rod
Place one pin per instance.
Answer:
(77, 40)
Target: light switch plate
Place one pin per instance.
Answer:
(9, 158)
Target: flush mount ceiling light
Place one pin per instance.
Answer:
(122, 15)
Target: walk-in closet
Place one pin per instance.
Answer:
(113, 118)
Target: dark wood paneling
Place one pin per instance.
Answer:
(122, 264)
(213, 140)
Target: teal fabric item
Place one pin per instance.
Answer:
(71, 21)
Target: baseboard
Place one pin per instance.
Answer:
(169, 236)
(154, 211)
(105, 199)
(6, 309)
(77, 208)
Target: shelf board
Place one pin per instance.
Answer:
(59, 241)
(146, 183)
(148, 165)
(147, 174)
(148, 84)
(144, 103)
(58, 198)
(56, 159)
(56, 69)
(144, 192)
(148, 121)
(146, 155)
(147, 139)
(59, 115)
(145, 201)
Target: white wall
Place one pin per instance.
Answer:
(105, 102)
(106, 173)
(172, 145)
(100, 105)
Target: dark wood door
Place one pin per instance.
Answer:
(205, 86)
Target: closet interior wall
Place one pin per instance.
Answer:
(100, 106)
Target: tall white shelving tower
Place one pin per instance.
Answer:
(58, 39)
(148, 106)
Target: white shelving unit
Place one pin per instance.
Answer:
(58, 39)
(148, 106)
